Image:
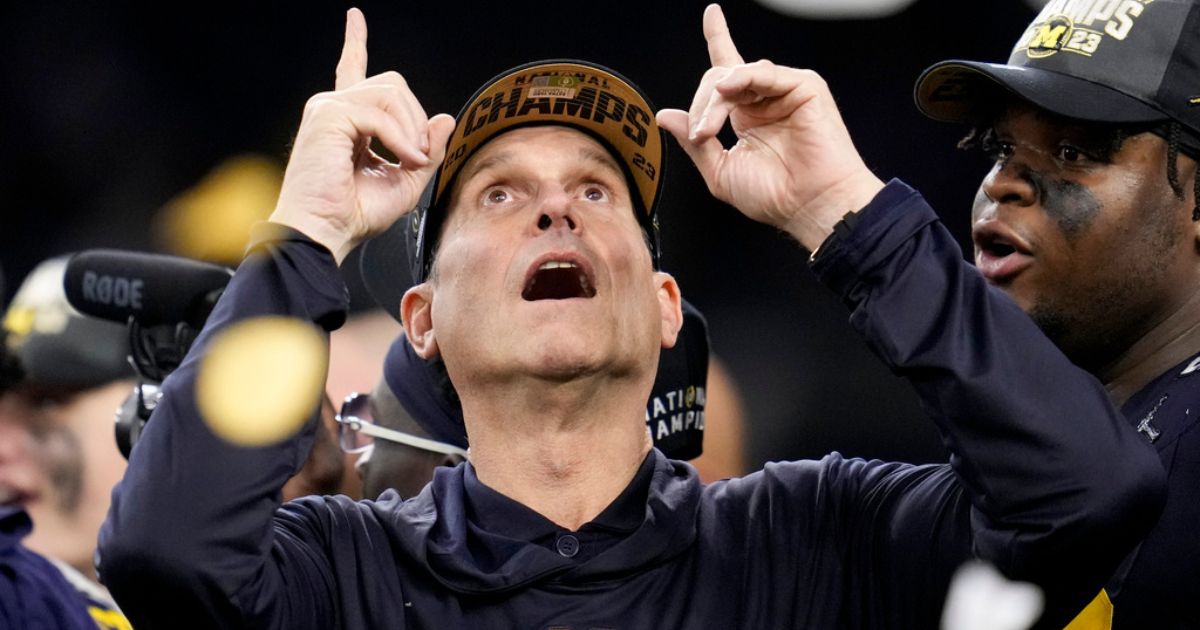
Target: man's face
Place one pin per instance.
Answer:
(324, 470)
(388, 464)
(542, 270)
(23, 437)
(406, 469)
(66, 468)
(403, 468)
(1083, 231)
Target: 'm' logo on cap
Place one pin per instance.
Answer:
(1048, 37)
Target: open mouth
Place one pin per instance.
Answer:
(997, 241)
(558, 280)
(997, 247)
(1001, 255)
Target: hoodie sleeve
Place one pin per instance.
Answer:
(1058, 488)
(189, 540)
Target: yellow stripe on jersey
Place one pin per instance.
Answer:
(1096, 616)
(109, 619)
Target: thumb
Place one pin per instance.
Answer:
(705, 153)
(441, 127)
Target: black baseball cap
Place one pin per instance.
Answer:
(1127, 61)
(675, 411)
(424, 391)
(59, 349)
(577, 94)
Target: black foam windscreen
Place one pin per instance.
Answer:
(151, 288)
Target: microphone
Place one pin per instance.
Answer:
(153, 289)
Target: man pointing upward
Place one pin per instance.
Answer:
(534, 244)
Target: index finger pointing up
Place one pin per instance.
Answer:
(721, 50)
(352, 67)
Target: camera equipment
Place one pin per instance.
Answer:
(164, 300)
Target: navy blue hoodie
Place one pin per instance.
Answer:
(1045, 480)
(34, 595)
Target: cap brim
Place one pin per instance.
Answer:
(86, 353)
(974, 91)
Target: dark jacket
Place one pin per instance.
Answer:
(1158, 586)
(34, 595)
(1046, 480)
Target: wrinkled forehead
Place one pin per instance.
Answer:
(522, 152)
(527, 144)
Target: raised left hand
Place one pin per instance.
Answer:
(794, 165)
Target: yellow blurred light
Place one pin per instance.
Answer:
(261, 379)
(211, 221)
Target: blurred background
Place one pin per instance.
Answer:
(165, 128)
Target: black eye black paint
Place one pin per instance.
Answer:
(1069, 204)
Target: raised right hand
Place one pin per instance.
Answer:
(336, 190)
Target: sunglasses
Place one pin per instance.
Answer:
(357, 430)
